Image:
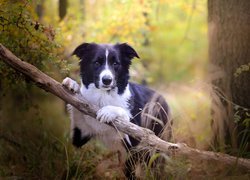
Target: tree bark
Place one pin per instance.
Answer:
(146, 136)
(229, 54)
(63, 5)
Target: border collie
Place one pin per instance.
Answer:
(104, 71)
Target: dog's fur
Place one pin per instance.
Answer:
(104, 71)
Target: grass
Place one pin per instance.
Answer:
(190, 105)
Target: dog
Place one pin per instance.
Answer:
(104, 72)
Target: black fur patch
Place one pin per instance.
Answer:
(78, 140)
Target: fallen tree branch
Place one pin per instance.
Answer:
(146, 136)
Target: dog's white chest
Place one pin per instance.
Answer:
(103, 98)
(105, 101)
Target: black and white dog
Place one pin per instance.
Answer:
(104, 71)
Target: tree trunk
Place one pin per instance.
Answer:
(82, 8)
(229, 54)
(40, 10)
(63, 4)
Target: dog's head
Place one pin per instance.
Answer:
(105, 65)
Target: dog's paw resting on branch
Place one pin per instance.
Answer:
(104, 71)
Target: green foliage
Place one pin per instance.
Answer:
(242, 118)
(241, 69)
(27, 39)
(149, 166)
(117, 21)
(170, 36)
(179, 40)
(161, 166)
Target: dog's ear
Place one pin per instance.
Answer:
(127, 51)
(84, 50)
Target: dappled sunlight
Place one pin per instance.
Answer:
(190, 105)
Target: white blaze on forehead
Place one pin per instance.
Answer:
(106, 71)
(106, 54)
(106, 61)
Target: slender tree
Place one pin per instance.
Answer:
(40, 10)
(63, 4)
(229, 54)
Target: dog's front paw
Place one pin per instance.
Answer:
(71, 85)
(109, 113)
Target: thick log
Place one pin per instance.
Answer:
(146, 136)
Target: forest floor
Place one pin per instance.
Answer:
(35, 149)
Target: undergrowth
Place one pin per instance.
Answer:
(32, 147)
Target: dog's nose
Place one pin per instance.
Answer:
(106, 80)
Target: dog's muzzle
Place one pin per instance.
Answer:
(106, 80)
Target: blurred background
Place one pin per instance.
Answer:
(170, 37)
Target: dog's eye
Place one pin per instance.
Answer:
(97, 64)
(115, 63)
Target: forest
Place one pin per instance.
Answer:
(195, 53)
